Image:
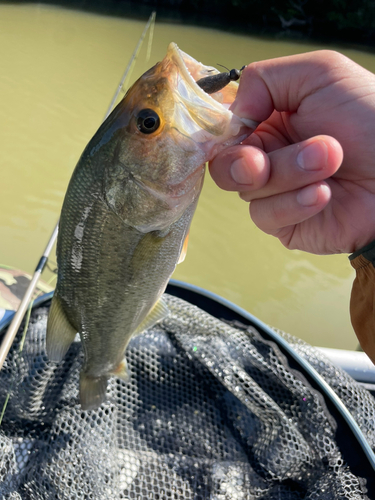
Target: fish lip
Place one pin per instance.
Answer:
(178, 55)
(180, 58)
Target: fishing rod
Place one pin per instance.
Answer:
(150, 24)
(25, 302)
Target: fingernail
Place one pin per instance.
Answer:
(240, 173)
(236, 110)
(234, 107)
(313, 157)
(308, 196)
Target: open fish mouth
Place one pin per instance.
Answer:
(190, 71)
(204, 120)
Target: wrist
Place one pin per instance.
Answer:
(368, 251)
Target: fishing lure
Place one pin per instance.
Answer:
(214, 83)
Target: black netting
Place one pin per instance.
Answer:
(211, 411)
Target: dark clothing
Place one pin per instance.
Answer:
(362, 302)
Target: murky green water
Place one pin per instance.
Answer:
(59, 71)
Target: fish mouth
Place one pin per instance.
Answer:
(190, 71)
(204, 118)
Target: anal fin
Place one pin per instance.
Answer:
(157, 313)
(92, 391)
(60, 332)
(121, 371)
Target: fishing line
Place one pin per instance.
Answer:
(9, 337)
(52, 269)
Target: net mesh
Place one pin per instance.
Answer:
(211, 411)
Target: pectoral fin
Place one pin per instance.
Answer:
(157, 313)
(60, 333)
(184, 250)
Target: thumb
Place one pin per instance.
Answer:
(282, 84)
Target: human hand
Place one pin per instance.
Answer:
(317, 112)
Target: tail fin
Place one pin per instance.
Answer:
(92, 391)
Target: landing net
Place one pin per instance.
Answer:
(212, 411)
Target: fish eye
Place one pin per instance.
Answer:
(148, 121)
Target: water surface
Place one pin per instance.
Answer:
(59, 71)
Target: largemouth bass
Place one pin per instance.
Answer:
(127, 212)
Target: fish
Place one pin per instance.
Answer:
(127, 211)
